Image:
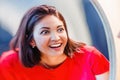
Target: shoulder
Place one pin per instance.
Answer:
(90, 55)
(93, 52)
(87, 48)
(8, 57)
(9, 65)
(94, 58)
(87, 51)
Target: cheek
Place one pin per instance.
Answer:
(41, 41)
(65, 40)
(65, 37)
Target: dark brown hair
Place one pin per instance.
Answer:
(31, 56)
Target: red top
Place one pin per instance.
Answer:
(85, 64)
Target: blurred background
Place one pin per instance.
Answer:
(94, 22)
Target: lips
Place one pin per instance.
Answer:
(55, 45)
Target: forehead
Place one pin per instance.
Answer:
(49, 21)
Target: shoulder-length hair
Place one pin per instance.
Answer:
(31, 56)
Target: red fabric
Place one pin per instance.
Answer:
(85, 64)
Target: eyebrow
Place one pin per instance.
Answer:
(49, 28)
(45, 28)
(59, 26)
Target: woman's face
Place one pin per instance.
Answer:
(50, 36)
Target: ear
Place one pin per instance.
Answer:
(32, 43)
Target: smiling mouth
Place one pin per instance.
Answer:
(55, 45)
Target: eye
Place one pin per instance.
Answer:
(44, 32)
(60, 30)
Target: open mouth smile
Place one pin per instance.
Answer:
(55, 45)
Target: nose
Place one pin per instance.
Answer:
(54, 37)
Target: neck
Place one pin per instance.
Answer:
(53, 60)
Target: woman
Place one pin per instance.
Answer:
(42, 50)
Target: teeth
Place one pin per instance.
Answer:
(55, 45)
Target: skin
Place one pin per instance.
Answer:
(103, 76)
(50, 38)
